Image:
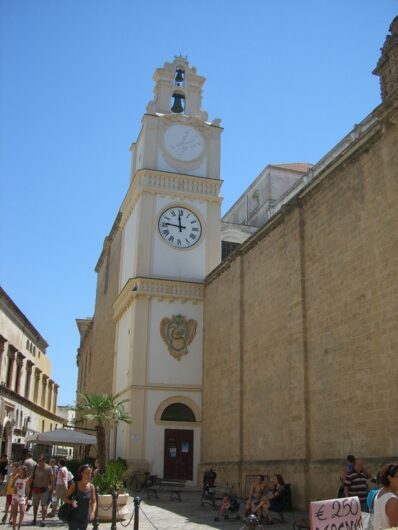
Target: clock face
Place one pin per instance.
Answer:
(183, 143)
(180, 227)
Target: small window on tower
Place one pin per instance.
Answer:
(179, 79)
(177, 103)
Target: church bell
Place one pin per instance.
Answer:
(179, 78)
(178, 105)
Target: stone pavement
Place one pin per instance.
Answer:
(162, 514)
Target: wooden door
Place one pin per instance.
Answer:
(178, 454)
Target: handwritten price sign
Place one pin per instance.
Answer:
(336, 514)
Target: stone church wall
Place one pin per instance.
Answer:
(97, 350)
(301, 330)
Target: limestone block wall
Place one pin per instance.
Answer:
(301, 331)
(97, 349)
(104, 325)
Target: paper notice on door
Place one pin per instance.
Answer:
(185, 447)
(173, 452)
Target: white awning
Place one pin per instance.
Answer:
(62, 437)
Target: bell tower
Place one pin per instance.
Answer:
(192, 146)
(178, 89)
(171, 239)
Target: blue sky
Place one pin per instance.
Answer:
(288, 78)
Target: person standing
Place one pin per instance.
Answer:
(20, 495)
(84, 499)
(29, 463)
(12, 474)
(386, 500)
(3, 467)
(356, 484)
(51, 494)
(61, 483)
(41, 482)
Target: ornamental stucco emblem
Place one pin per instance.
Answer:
(178, 333)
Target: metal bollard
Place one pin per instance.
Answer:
(137, 502)
(96, 518)
(115, 495)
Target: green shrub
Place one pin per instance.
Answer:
(112, 479)
(73, 465)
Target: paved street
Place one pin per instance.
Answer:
(164, 514)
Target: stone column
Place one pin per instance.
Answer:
(43, 392)
(50, 394)
(10, 366)
(2, 346)
(18, 373)
(29, 365)
(37, 382)
(55, 398)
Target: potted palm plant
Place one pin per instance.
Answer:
(105, 411)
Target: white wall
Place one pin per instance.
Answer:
(128, 263)
(179, 263)
(163, 367)
(122, 372)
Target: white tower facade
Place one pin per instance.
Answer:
(171, 240)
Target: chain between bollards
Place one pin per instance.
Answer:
(115, 495)
(137, 502)
(96, 518)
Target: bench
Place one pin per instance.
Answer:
(172, 487)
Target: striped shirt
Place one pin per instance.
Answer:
(357, 485)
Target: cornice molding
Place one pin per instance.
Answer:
(163, 387)
(17, 398)
(175, 185)
(160, 289)
(183, 119)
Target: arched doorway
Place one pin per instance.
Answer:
(178, 443)
(6, 443)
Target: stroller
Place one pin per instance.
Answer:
(229, 507)
(209, 488)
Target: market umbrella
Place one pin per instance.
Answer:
(62, 437)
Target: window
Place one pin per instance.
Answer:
(177, 412)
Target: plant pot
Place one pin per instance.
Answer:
(105, 507)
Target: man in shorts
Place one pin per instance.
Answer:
(41, 482)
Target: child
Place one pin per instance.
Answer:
(9, 492)
(226, 504)
(20, 495)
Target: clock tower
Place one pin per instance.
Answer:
(171, 239)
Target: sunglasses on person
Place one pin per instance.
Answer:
(392, 469)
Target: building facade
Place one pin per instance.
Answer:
(279, 359)
(28, 394)
(301, 329)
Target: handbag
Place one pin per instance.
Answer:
(65, 510)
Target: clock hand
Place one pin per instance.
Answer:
(178, 226)
(179, 222)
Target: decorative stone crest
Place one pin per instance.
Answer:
(178, 333)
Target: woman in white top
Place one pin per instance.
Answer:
(386, 501)
(61, 483)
